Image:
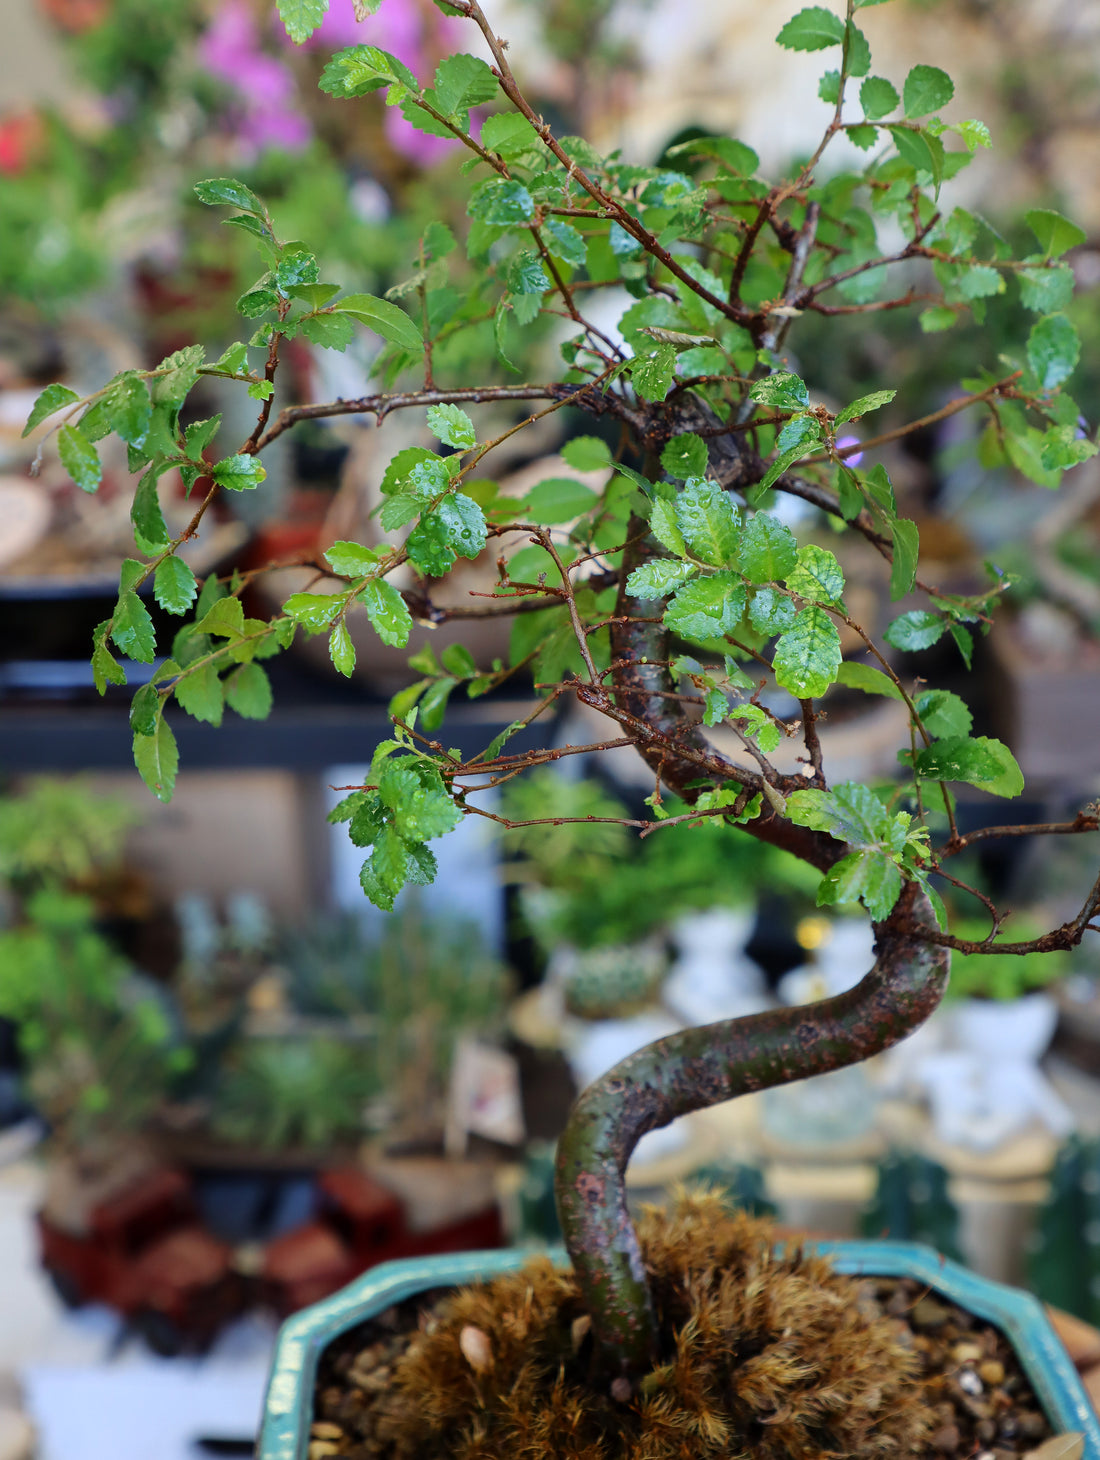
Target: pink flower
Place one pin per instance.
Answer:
(842, 443)
(230, 50)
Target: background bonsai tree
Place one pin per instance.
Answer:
(673, 600)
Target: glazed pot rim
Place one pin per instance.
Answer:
(1019, 1315)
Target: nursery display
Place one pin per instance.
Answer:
(672, 603)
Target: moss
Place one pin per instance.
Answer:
(765, 1353)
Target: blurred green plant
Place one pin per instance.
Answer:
(1002, 976)
(277, 1093)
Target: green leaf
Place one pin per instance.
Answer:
(1046, 290)
(768, 549)
(464, 524)
(807, 656)
(510, 134)
(903, 572)
(314, 611)
(816, 574)
(248, 691)
(422, 866)
(707, 608)
(105, 667)
(433, 705)
(685, 456)
(385, 319)
(463, 81)
(918, 629)
(868, 877)
(665, 528)
(452, 426)
(157, 759)
(79, 458)
(771, 612)
(199, 691)
(386, 609)
(198, 436)
(1055, 233)
(980, 281)
(125, 408)
(238, 473)
(980, 762)
(52, 399)
(867, 678)
(224, 617)
(560, 499)
(926, 89)
(501, 201)
(399, 509)
(964, 642)
(813, 29)
(145, 513)
(939, 317)
(943, 714)
(1052, 349)
(1064, 448)
(351, 559)
(330, 330)
(652, 375)
(425, 814)
(301, 17)
(877, 98)
(658, 578)
(132, 628)
(526, 276)
(859, 52)
(428, 547)
(587, 453)
(850, 812)
(216, 191)
(784, 391)
(707, 518)
(564, 242)
(458, 660)
(358, 70)
(257, 300)
(180, 371)
(145, 710)
(341, 649)
(865, 404)
(174, 585)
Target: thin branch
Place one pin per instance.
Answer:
(1087, 820)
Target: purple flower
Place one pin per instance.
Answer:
(230, 50)
(842, 442)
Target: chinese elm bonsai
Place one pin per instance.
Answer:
(675, 598)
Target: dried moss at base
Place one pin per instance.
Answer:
(767, 1353)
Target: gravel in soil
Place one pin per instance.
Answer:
(982, 1403)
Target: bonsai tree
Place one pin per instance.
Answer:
(675, 599)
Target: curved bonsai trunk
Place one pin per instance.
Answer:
(700, 1067)
(697, 1068)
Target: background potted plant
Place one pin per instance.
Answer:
(674, 602)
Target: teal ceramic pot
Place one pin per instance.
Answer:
(288, 1410)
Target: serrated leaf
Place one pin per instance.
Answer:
(179, 371)
(768, 549)
(388, 614)
(314, 611)
(784, 391)
(943, 714)
(877, 98)
(105, 667)
(433, 704)
(707, 608)
(79, 458)
(341, 649)
(301, 17)
(560, 499)
(1045, 291)
(399, 509)
(652, 375)
(665, 528)
(708, 521)
(132, 628)
(358, 70)
(865, 404)
(564, 242)
(851, 812)
(807, 656)
(510, 134)
(869, 877)
(587, 453)
(658, 578)
(351, 559)
(389, 860)
(867, 678)
(1055, 233)
(426, 814)
(199, 692)
(1053, 347)
(174, 585)
(816, 574)
(463, 81)
(145, 513)
(385, 319)
(216, 191)
(453, 426)
(248, 691)
(379, 895)
(463, 523)
(331, 331)
(981, 762)
(918, 629)
(238, 473)
(926, 89)
(52, 399)
(939, 317)
(685, 456)
(501, 201)
(771, 612)
(812, 29)
(157, 759)
(458, 660)
(903, 572)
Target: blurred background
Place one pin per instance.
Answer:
(227, 1085)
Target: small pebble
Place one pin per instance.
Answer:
(946, 1439)
(620, 1390)
(992, 1372)
(966, 1353)
(930, 1314)
(1032, 1425)
(319, 1449)
(986, 1431)
(322, 1430)
(969, 1382)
